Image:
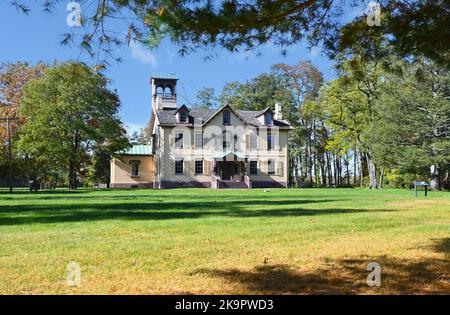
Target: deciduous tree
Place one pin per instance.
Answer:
(69, 113)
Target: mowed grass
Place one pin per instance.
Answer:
(286, 241)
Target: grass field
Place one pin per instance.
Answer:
(224, 241)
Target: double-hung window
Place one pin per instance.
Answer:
(270, 140)
(253, 141)
(135, 169)
(198, 140)
(226, 117)
(271, 167)
(179, 167)
(183, 116)
(253, 167)
(226, 141)
(179, 140)
(268, 119)
(199, 167)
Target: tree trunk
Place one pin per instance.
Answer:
(322, 171)
(301, 172)
(293, 168)
(315, 155)
(347, 162)
(361, 169)
(445, 181)
(380, 184)
(337, 171)
(355, 161)
(330, 176)
(72, 171)
(73, 161)
(434, 177)
(72, 175)
(309, 162)
(372, 172)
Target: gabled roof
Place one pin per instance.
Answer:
(267, 109)
(168, 116)
(224, 154)
(139, 149)
(181, 107)
(229, 108)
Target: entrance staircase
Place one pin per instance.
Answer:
(232, 184)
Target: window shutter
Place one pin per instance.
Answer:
(247, 169)
(186, 140)
(206, 166)
(279, 168)
(257, 141)
(185, 167)
(262, 142)
(276, 140)
(263, 167)
(247, 142)
(172, 166)
(192, 170)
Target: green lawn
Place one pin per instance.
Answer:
(224, 241)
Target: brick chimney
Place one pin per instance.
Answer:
(278, 115)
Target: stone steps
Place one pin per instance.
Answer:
(232, 184)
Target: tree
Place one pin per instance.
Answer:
(206, 98)
(69, 113)
(256, 94)
(414, 111)
(342, 109)
(351, 102)
(100, 170)
(140, 136)
(246, 25)
(13, 79)
(303, 80)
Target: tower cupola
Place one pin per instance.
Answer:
(164, 93)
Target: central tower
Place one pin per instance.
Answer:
(164, 91)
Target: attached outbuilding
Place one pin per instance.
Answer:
(133, 168)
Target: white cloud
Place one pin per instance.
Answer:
(142, 54)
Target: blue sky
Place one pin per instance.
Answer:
(36, 38)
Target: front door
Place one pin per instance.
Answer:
(227, 170)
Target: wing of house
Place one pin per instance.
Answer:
(221, 148)
(133, 168)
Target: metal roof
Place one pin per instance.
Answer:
(170, 76)
(139, 149)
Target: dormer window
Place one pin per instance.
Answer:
(183, 116)
(226, 117)
(268, 119)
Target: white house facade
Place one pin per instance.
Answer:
(214, 148)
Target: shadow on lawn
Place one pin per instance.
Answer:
(443, 245)
(159, 210)
(348, 276)
(129, 195)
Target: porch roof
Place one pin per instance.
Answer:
(223, 154)
(140, 149)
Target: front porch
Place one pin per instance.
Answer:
(229, 170)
